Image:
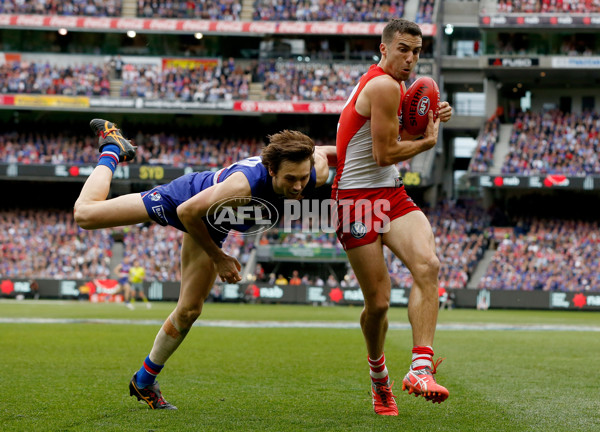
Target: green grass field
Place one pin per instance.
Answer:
(73, 376)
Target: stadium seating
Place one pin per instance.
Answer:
(49, 244)
(42, 78)
(483, 156)
(554, 143)
(549, 255)
(197, 84)
(97, 8)
(225, 10)
(345, 10)
(547, 6)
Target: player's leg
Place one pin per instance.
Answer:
(143, 297)
(410, 238)
(92, 210)
(371, 272)
(197, 277)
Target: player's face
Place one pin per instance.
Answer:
(291, 179)
(401, 55)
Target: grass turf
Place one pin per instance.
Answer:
(73, 377)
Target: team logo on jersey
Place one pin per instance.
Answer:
(358, 230)
(155, 196)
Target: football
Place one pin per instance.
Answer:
(420, 98)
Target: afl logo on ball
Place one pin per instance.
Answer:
(358, 230)
(423, 106)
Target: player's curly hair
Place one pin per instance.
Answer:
(287, 145)
(401, 26)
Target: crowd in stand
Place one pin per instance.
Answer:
(96, 8)
(461, 234)
(554, 142)
(154, 149)
(548, 255)
(49, 244)
(425, 12)
(328, 10)
(222, 10)
(199, 84)
(483, 156)
(44, 78)
(310, 81)
(549, 6)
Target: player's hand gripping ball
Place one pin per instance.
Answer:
(420, 98)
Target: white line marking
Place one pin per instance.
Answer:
(303, 324)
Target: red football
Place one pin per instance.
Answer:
(420, 98)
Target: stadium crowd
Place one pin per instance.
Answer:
(49, 244)
(292, 81)
(483, 156)
(206, 152)
(549, 6)
(549, 255)
(222, 10)
(95, 8)
(329, 10)
(158, 248)
(554, 142)
(44, 78)
(200, 84)
(462, 232)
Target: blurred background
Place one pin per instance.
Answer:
(512, 188)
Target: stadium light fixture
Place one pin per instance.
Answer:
(131, 34)
(449, 29)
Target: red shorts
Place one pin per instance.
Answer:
(363, 214)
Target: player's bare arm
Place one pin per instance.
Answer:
(235, 187)
(325, 156)
(383, 96)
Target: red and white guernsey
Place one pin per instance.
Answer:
(356, 167)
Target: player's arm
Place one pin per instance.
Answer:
(383, 97)
(325, 156)
(191, 212)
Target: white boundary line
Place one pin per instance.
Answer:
(304, 324)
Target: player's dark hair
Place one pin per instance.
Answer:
(401, 26)
(290, 146)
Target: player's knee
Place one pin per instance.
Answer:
(377, 307)
(427, 268)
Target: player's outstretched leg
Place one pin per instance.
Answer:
(109, 134)
(150, 394)
(421, 382)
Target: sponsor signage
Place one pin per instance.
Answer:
(464, 298)
(550, 181)
(576, 62)
(513, 62)
(67, 171)
(540, 20)
(289, 107)
(186, 26)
